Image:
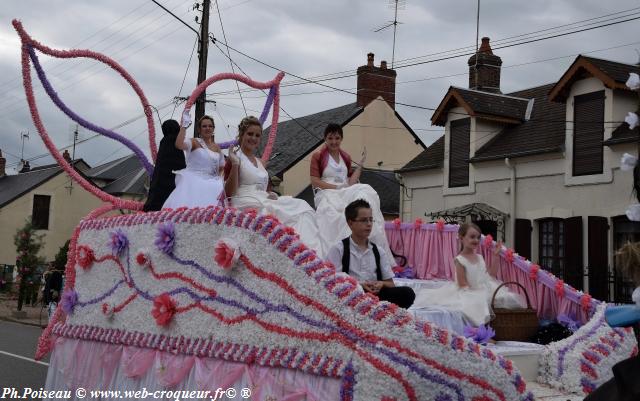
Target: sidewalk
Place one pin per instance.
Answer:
(8, 307)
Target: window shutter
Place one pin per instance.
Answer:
(598, 257)
(459, 153)
(588, 133)
(40, 212)
(523, 238)
(573, 266)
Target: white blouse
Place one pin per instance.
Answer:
(335, 173)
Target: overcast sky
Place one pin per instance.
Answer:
(306, 38)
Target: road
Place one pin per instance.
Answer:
(17, 347)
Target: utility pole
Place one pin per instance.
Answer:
(202, 56)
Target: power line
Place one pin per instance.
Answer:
(195, 43)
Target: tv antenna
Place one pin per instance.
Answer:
(396, 5)
(76, 134)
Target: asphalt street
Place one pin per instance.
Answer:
(17, 348)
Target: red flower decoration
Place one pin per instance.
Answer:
(533, 272)
(585, 302)
(163, 309)
(143, 259)
(488, 240)
(291, 231)
(396, 223)
(418, 223)
(509, 255)
(251, 212)
(86, 257)
(559, 287)
(226, 253)
(107, 310)
(440, 225)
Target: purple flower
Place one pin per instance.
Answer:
(119, 242)
(481, 334)
(568, 322)
(69, 301)
(165, 237)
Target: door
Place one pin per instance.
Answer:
(523, 238)
(598, 254)
(624, 230)
(573, 266)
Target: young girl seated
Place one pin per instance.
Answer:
(474, 286)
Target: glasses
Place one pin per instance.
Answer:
(365, 220)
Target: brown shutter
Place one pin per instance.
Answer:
(588, 133)
(40, 212)
(523, 238)
(598, 257)
(573, 262)
(459, 152)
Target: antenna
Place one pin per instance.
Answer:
(23, 136)
(75, 134)
(396, 5)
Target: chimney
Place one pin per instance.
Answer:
(25, 167)
(3, 164)
(376, 81)
(484, 69)
(66, 156)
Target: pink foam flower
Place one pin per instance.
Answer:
(559, 287)
(440, 224)
(86, 257)
(533, 272)
(585, 301)
(107, 310)
(227, 253)
(509, 255)
(418, 223)
(488, 240)
(397, 223)
(164, 307)
(142, 258)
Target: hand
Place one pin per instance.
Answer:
(364, 156)
(373, 287)
(498, 248)
(341, 185)
(233, 157)
(186, 119)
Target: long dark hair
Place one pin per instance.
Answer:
(462, 231)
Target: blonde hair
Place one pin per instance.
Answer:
(205, 117)
(628, 261)
(245, 123)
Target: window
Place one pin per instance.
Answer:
(588, 133)
(551, 244)
(40, 213)
(459, 153)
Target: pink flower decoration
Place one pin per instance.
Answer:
(107, 310)
(488, 240)
(585, 302)
(533, 273)
(251, 212)
(86, 257)
(509, 255)
(227, 253)
(418, 223)
(163, 309)
(142, 258)
(396, 223)
(440, 225)
(559, 287)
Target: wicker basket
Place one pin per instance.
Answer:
(514, 324)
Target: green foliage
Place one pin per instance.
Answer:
(28, 245)
(60, 261)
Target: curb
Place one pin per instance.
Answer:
(28, 323)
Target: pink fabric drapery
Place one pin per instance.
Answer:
(430, 251)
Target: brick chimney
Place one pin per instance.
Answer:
(376, 81)
(66, 156)
(25, 167)
(3, 164)
(484, 69)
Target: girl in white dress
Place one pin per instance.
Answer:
(335, 186)
(247, 182)
(200, 184)
(474, 286)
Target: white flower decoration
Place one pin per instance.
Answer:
(628, 162)
(633, 212)
(633, 82)
(632, 120)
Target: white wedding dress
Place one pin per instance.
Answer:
(474, 302)
(330, 205)
(200, 183)
(293, 212)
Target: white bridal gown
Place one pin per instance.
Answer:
(200, 183)
(474, 302)
(330, 205)
(293, 212)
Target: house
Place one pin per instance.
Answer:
(370, 121)
(538, 168)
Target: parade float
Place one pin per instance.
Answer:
(217, 298)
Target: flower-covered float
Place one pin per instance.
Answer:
(212, 298)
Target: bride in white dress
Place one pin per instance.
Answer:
(247, 182)
(335, 186)
(200, 184)
(473, 289)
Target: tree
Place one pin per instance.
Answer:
(60, 261)
(28, 244)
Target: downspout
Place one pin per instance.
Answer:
(512, 199)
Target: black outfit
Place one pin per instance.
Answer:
(625, 385)
(169, 159)
(52, 282)
(401, 296)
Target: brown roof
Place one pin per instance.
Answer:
(543, 133)
(432, 157)
(623, 134)
(611, 73)
(491, 106)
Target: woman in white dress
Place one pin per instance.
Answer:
(335, 186)
(247, 183)
(200, 184)
(473, 289)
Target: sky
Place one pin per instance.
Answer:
(307, 38)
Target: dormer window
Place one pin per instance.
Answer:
(588, 133)
(459, 153)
